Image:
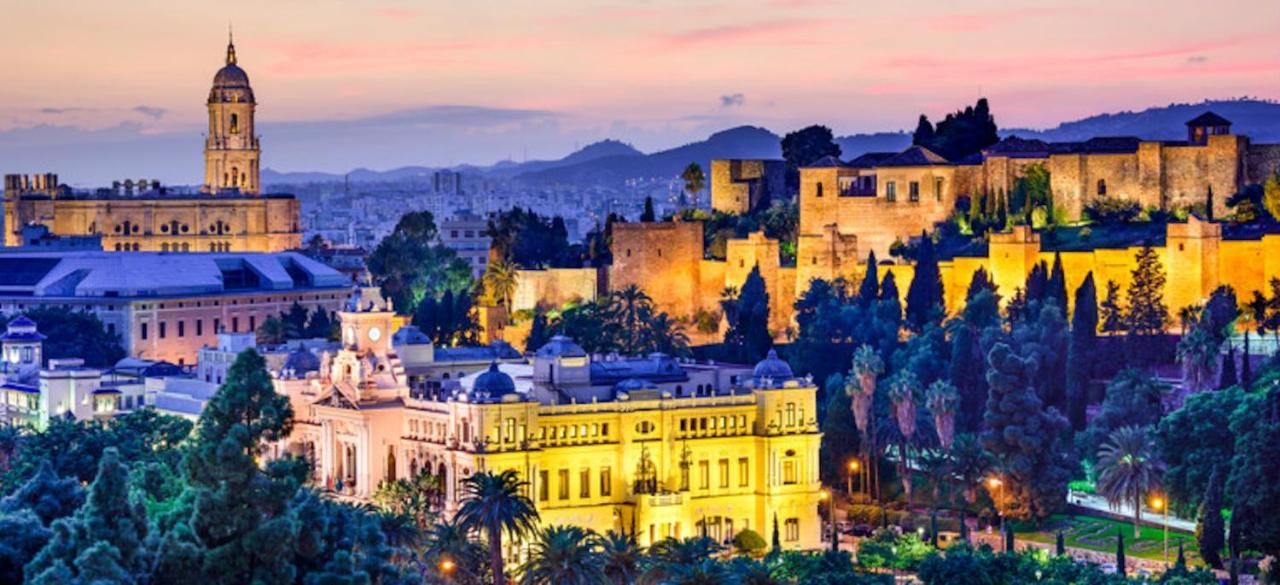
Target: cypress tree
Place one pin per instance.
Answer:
(748, 337)
(933, 529)
(1229, 377)
(890, 305)
(1084, 327)
(978, 283)
(925, 295)
(777, 540)
(1057, 289)
(1002, 216)
(964, 526)
(1181, 564)
(869, 290)
(1037, 284)
(1008, 537)
(1060, 543)
(1210, 530)
(1120, 560)
(647, 216)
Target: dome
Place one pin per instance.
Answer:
(493, 384)
(634, 384)
(301, 361)
(773, 368)
(231, 83)
(561, 346)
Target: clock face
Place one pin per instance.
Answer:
(375, 334)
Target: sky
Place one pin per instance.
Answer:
(106, 90)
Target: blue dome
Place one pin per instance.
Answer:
(561, 346)
(493, 384)
(773, 368)
(300, 361)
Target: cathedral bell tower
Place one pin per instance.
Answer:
(231, 152)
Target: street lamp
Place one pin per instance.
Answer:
(853, 468)
(994, 483)
(447, 566)
(1158, 504)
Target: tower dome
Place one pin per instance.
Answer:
(773, 369)
(492, 385)
(231, 83)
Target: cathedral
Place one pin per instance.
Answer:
(230, 213)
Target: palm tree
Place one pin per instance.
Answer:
(496, 503)
(500, 281)
(970, 463)
(564, 555)
(902, 393)
(941, 401)
(1128, 469)
(861, 388)
(1198, 354)
(620, 557)
(448, 540)
(694, 179)
(753, 572)
(703, 572)
(664, 334)
(633, 304)
(669, 557)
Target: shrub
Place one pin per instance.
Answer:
(749, 542)
(1112, 210)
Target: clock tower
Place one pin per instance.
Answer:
(366, 322)
(231, 150)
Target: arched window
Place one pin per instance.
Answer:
(235, 124)
(1102, 187)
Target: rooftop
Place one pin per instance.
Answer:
(158, 275)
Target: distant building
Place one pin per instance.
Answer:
(230, 213)
(446, 182)
(167, 306)
(467, 234)
(741, 185)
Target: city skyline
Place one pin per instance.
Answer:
(510, 82)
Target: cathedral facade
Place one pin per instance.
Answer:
(229, 214)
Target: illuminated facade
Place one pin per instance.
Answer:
(230, 214)
(649, 444)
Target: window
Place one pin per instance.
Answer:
(584, 483)
(544, 486)
(563, 489)
(819, 191)
(199, 327)
(744, 472)
(1102, 187)
(606, 481)
(724, 473)
(913, 191)
(217, 324)
(235, 324)
(235, 124)
(253, 323)
(937, 188)
(891, 191)
(789, 472)
(144, 331)
(791, 414)
(182, 328)
(704, 474)
(793, 529)
(162, 329)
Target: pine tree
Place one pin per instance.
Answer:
(1111, 312)
(869, 290)
(979, 282)
(104, 539)
(50, 497)
(748, 335)
(239, 511)
(1060, 545)
(1147, 313)
(1211, 529)
(1037, 283)
(925, 295)
(320, 324)
(1080, 352)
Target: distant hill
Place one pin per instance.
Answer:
(740, 142)
(613, 161)
(1258, 119)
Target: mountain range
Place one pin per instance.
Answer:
(612, 161)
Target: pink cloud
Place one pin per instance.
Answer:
(798, 31)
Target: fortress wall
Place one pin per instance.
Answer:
(553, 287)
(1067, 181)
(664, 259)
(1189, 172)
(728, 194)
(817, 211)
(1242, 265)
(878, 222)
(1261, 161)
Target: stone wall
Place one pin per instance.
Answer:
(1261, 161)
(739, 185)
(553, 287)
(664, 259)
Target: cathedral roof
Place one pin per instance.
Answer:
(231, 83)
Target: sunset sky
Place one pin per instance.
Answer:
(98, 90)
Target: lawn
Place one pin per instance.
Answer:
(1099, 534)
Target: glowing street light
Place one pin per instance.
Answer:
(994, 483)
(447, 566)
(854, 465)
(1158, 504)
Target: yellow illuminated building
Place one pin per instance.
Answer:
(652, 444)
(230, 214)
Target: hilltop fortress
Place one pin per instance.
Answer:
(849, 209)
